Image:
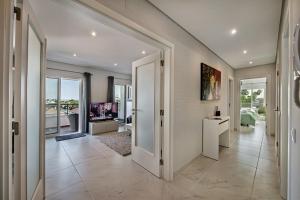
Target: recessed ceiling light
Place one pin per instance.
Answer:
(93, 33)
(245, 52)
(116, 64)
(144, 52)
(233, 31)
(250, 62)
(74, 54)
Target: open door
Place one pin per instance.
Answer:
(28, 121)
(146, 120)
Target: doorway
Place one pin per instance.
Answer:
(63, 106)
(253, 111)
(37, 186)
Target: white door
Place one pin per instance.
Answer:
(294, 143)
(146, 120)
(30, 49)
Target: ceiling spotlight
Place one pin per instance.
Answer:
(250, 62)
(245, 52)
(93, 33)
(143, 52)
(233, 31)
(116, 64)
(74, 54)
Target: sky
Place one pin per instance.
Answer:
(69, 89)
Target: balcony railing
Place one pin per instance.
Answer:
(52, 119)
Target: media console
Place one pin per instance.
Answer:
(97, 127)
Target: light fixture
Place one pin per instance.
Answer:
(245, 52)
(233, 31)
(250, 62)
(143, 52)
(116, 64)
(93, 33)
(74, 54)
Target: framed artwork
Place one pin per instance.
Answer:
(210, 83)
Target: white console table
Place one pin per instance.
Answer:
(215, 133)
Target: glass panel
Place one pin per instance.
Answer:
(69, 106)
(145, 107)
(33, 112)
(120, 100)
(51, 105)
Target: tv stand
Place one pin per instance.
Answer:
(98, 127)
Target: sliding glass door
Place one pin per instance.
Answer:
(52, 96)
(62, 105)
(69, 105)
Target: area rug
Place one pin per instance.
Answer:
(70, 136)
(117, 141)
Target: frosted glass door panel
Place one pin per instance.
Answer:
(33, 112)
(145, 77)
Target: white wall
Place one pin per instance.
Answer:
(268, 71)
(189, 53)
(98, 80)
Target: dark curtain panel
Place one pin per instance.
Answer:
(110, 89)
(87, 98)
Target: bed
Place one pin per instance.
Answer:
(248, 117)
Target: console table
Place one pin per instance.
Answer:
(215, 133)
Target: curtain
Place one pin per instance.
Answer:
(110, 89)
(86, 101)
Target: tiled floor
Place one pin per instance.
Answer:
(84, 169)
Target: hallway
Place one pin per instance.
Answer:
(84, 168)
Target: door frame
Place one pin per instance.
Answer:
(284, 122)
(6, 69)
(268, 100)
(52, 75)
(117, 20)
(230, 102)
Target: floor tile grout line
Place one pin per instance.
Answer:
(57, 192)
(261, 143)
(73, 164)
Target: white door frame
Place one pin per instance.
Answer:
(52, 75)
(285, 105)
(6, 70)
(231, 102)
(168, 47)
(268, 100)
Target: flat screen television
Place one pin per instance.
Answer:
(103, 111)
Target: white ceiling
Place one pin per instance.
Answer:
(210, 21)
(68, 30)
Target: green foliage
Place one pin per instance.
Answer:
(244, 92)
(262, 110)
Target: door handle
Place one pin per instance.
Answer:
(297, 92)
(293, 135)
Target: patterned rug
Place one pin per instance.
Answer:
(117, 141)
